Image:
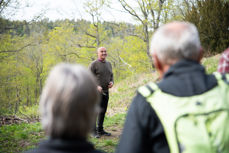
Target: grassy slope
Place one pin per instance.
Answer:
(18, 138)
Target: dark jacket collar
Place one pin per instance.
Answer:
(186, 78)
(67, 145)
(184, 66)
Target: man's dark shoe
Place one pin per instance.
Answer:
(95, 135)
(104, 133)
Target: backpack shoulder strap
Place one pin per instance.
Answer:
(222, 77)
(148, 89)
(225, 77)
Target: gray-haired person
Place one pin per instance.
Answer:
(68, 105)
(187, 111)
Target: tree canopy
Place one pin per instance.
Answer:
(212, 20)
(29, 50)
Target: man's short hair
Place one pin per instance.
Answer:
(98, 49)
(176, 41)
(69, 102)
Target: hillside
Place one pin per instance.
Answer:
(20, 137)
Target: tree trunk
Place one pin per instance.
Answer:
(28, 100)
(146, 31)
(36, 91)
(17, 101)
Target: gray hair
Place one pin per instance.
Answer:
(69, 102)
(176, 41)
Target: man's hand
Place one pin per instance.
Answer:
(99, 88)
(110, 85)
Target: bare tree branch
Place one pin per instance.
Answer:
(4, 4)
(139, 36)
(161, 2)
(83, 46)
(71, 53)
(90, 34)
(130, 10)
(17, 50)
(124, 62)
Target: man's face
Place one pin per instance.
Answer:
(102, 53)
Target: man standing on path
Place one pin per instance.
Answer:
(187, 111)
(102, 70)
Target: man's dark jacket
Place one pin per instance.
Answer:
(143, 131)
(64, 146)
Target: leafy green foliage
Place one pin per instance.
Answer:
(29, 50)
(212, 19)
(29, 112)
(27, 58)
(211, 63)
(20, 137)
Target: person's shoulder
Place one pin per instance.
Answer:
(35, 150)
(147, 90)
(141, 106)
(97, 151)
(93, 63)
(226, 51)
(108, 62)
(142, 93)
(141, 99)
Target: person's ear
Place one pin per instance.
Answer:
(201, 53)
(158, 65)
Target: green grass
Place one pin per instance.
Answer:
(20, 137)
(116, 120)
(105, 144)
(123, 92)
(114, 125)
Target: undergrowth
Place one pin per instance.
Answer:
(19, 137)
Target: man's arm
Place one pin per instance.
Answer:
(111, 83)
(93, 70)
(112, 78)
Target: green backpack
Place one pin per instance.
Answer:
(195, 124)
